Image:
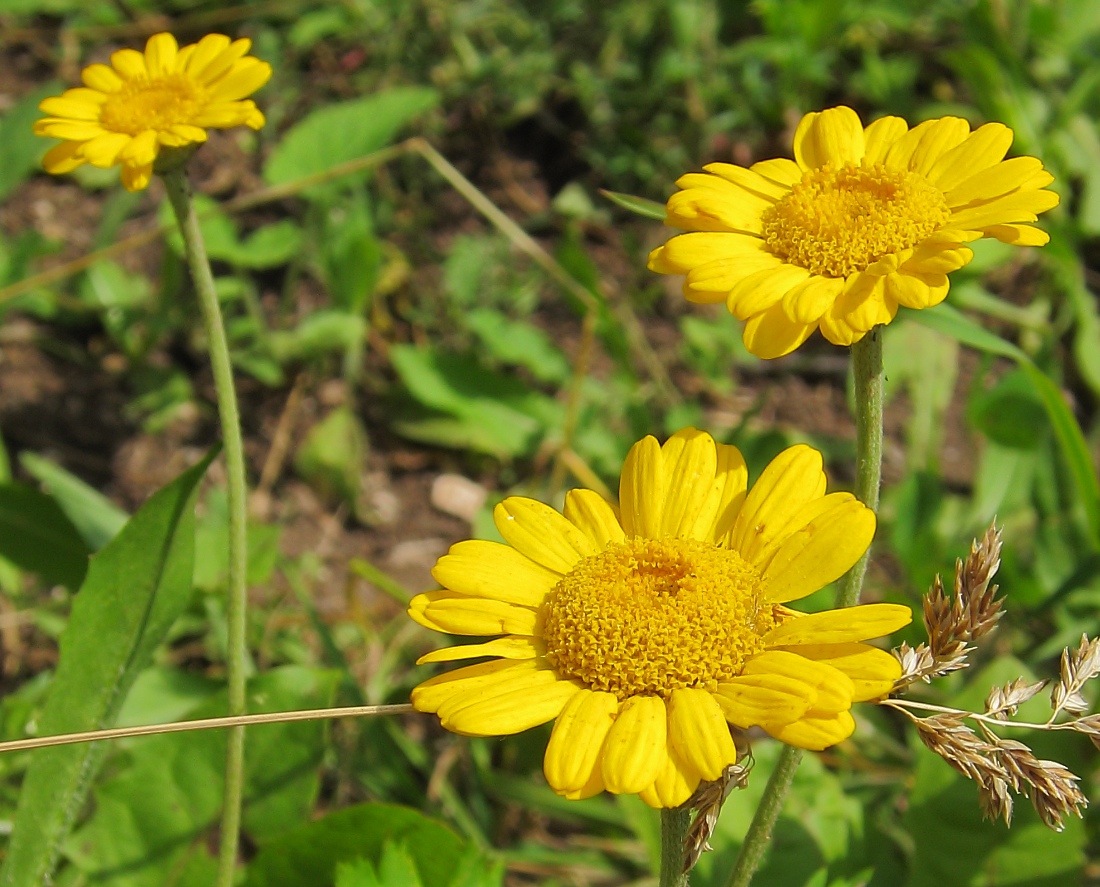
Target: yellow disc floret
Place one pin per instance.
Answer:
(157, 104)
(646, 617)
(837, 221)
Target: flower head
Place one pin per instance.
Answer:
(648, 630)
(864, 219)
(128, 111)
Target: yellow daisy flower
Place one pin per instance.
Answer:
(864, 219)
(649, 629)
(141, 103)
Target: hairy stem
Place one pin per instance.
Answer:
(868, 375)
(867, 370)
(763, 821)
(179, 193)
(674, 826)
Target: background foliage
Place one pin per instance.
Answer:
(387, 336)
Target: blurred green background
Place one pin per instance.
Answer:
(404, 363)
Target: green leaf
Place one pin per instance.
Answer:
(95, 517)
(1068, 433)
(20, 148)
(519, 343)
(333, 456)
(1010, 413)
(351, 254)
(320, 333)
(346, 131)
(212, 555)
(36, 535)
(269, 247)
(135, 588)
(465, 405)
(308, 855)
(170, 790)
(650, 209)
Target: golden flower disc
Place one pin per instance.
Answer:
(840, 220)
(646, 617)
(152, 104)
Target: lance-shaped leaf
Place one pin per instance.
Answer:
(134, 590)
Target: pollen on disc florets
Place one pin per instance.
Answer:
(152, 104)
(649, 616)
(838, 220)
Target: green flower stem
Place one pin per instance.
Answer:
(674, 826)
(179, 193)
(763, 821)
(867, 371)
(868, 375)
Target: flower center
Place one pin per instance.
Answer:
(840, 220)
(152, 104)
(646, 617)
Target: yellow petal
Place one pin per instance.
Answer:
(432, 693)
(634, 751)
(834, 688)
(101, 77)
(879, 136)
(820, 552)
(455, 613)
(522, 680)
(992, 182)
(222, 62)
(541, 533)
(63, 158)
(792, 480)
(591, 788)
(862, 305)
(750, 180)
(1020, 206)
(935, 259)
(136, 178)
(731, 481)
(772, 334)
(205, 51)
(689, 465)
(506, 648)
(908, 290)
(71, 130)
(160, 55)
(511, 712)
(675, 782)
(759, 291)
(983, 148)
(642, 489)
(751, 700)
(245, 78)
(577, 741)
(872, 671)
(593, 515)
(698, 732)
(940, 137)
(1018, 235)
(707, 209)
(129, 64)
(687, 251)
(59, 106)
(833, 135)
(713, 282)
(816, 734)
(103, 151)
(141, 151)
(841, 626)
(780, 170)
(809, 300)
(491, 570)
